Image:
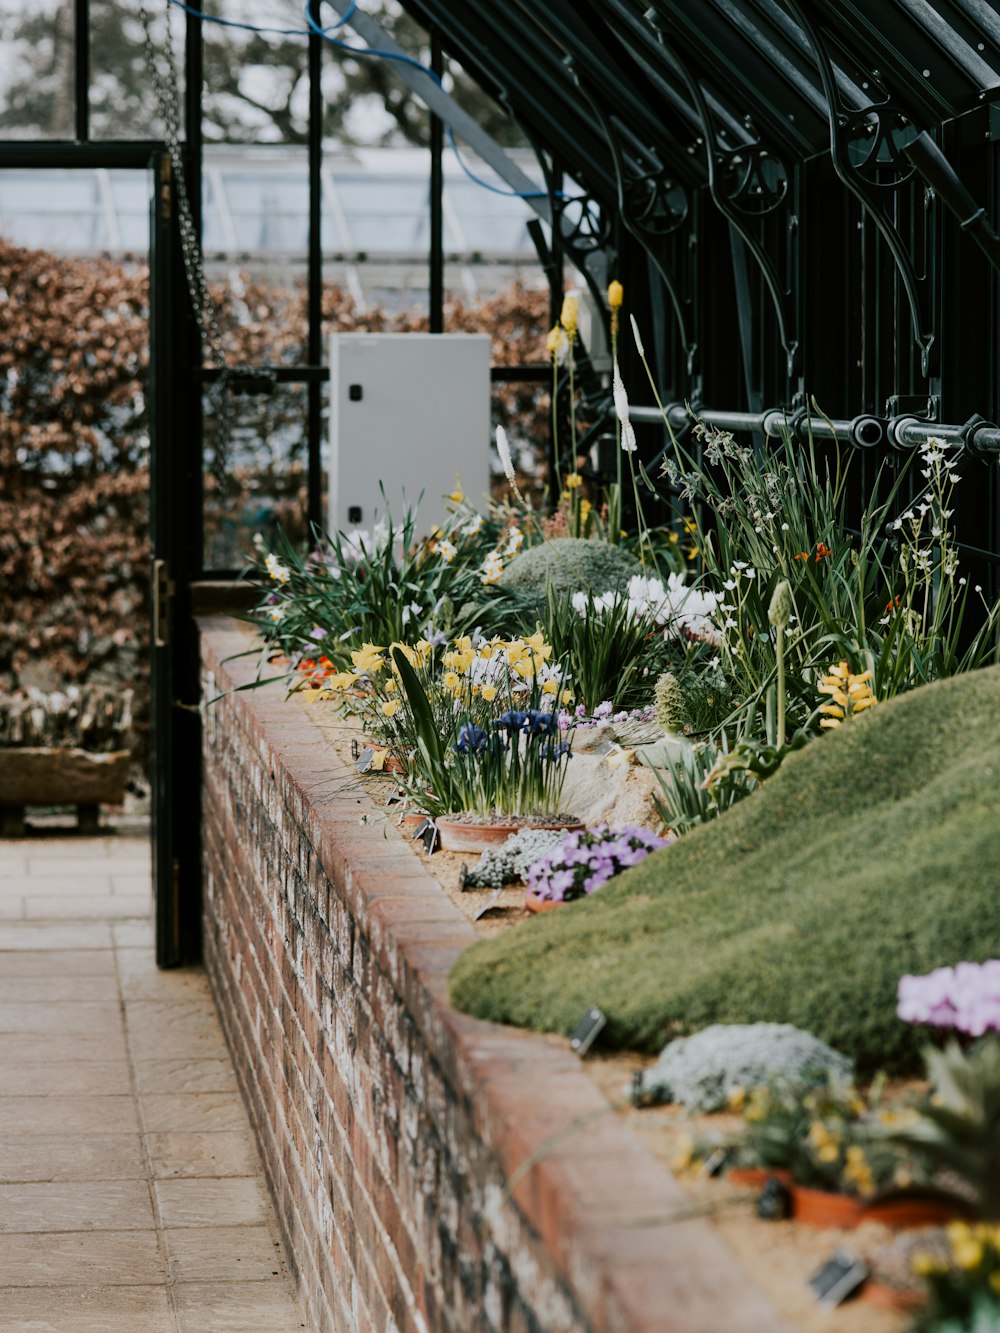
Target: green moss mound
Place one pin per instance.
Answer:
(872, 852)
(568, 564)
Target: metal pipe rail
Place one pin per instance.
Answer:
(977, 436)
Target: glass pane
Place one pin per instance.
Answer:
(122, 95)
(256, 84)
(265, 474)
(59, 210)
(38, 72)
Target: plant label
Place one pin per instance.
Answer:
(585, 1032)
(839, 1278)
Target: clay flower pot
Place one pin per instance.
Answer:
(460, 835)
(535, 904)
(756, 1177)
(821, 1208)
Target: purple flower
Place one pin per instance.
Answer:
(605, 709)
(318, 634)
(965, 997)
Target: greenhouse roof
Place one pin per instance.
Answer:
(376, 210)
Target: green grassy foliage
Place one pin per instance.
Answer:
(568, 565)
(872, 852)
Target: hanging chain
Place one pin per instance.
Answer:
(165, 90)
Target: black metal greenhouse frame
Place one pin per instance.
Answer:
(801, 197)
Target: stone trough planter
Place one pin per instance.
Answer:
(48, 775)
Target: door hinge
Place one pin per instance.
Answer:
(163, 590)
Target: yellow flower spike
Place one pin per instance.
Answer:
(570, 316)
(616, 295)
(555, 342)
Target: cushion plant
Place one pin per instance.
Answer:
(568, 565)
(871, 853)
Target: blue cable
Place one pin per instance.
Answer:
(371, 53)
(403, 59)
(255, 27)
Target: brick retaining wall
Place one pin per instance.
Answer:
(387, 1121)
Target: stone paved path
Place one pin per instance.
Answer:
(131, 1195)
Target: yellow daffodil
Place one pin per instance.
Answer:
(451, 681)
(551, 687)
(566, 698)
(390, 707)
(926, 1265)
(489, 693)
(343, 680)
(573, 481)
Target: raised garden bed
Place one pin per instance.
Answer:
(428, 1167)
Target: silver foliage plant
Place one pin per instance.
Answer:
(701, 1072)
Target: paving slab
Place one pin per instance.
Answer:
(105, 1205)
(224, 1153)
(76, 1309)
(233, 1307)
(85, 1258)
(37, 1077)
(209, 1203)
(224, 1254)
(131, 1193)
(57, 1157)
(185, 1076)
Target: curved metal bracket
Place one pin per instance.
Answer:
(867, 148)
(663, 209)
(747, 182)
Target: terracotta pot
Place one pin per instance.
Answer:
(892, 1298)
(458, 836)
(412, 821)
(904, 1209)
(821, 1208)
(535, 904)
(756, 1177)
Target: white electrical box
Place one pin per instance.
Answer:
(409, 412)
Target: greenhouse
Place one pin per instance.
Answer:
(500, 666)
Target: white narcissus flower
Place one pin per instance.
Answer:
(621, 409)
(503, 449)
(635, 335)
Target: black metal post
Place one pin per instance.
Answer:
(436, 258)
(314, 410)
(81, 77)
